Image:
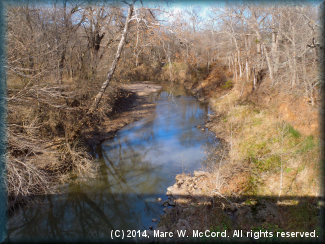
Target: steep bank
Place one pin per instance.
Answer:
(265, 177)
(131, 106)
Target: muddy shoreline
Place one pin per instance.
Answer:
(136, 107)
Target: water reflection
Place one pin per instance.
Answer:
(136, 167)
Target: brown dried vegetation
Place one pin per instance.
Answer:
(40, 121)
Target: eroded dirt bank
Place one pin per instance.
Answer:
(131, 106)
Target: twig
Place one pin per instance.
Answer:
(223, 96)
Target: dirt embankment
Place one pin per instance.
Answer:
(131, 106)
(264, 177)
(40, 155)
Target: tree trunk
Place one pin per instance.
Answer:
(254, 85)
(99, 96)
(239, 64)
(247, 65)
(276, 54)
(235, 65)
(113, 67)
(247, 69)
(268, 60)
(258, 48)
(294, 76)
(289, 57)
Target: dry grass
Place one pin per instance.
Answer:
(269, 147)
(40, 120)
(263, 155)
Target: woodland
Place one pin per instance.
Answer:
(66, 60)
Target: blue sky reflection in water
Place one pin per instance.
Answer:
(136, 167)
(161, 142)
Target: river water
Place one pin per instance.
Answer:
(136, 167)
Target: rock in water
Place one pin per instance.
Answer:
(166, 210)
(178, 96)
(168, 202)
(165, 203)
(171, 203)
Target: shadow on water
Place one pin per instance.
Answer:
(136, 167)
(83, 217)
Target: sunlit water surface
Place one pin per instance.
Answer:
(136, 167)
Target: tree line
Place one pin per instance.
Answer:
(254, 39)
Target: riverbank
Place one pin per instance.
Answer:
(131, 106)
(264, 179)
(39, 148)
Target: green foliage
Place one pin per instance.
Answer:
(292, 132)
(252, 186)
(288, 170)
(272, 163)
(287, 129)
(308, 144)
(250, 202)
(257, 149)
(227, 85)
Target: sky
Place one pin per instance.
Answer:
(181, 5)
(205, 5)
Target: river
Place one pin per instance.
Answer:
(136, 167)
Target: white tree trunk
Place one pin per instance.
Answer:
(239, 64)
(294, 76)
(247, 69)
(268, 60)
(114, 64)
(254, 73)
(276, 54)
